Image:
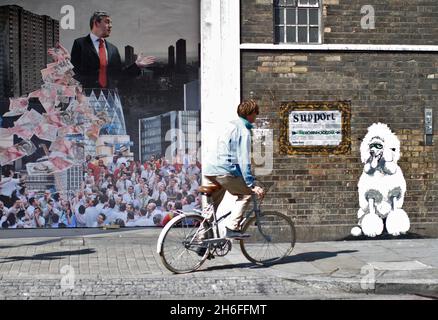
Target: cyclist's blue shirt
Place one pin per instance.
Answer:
(233, 152)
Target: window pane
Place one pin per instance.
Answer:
(313, 16)
(291, 34)
(313, 34)
(279, 16)
(291, 16)
(313, 2)
(302, 16)
(292, 2)
(302, 34)
(279, 34)
(303, 2)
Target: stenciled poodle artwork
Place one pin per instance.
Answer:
(382, 186)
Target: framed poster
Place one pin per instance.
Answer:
(308, 127)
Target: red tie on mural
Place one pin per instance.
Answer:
(103, 64)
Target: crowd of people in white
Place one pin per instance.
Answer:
(122, 194)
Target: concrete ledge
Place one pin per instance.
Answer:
(381, 286)
(427, 287)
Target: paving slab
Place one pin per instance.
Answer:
(126, 265)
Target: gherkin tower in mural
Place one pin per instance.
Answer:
(108, 102)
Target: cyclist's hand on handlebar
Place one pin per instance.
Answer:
(258, 191)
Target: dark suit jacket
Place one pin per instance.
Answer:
(85, 60)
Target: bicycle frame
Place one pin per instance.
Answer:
(255, 210)
(215, 225)
(201, 235)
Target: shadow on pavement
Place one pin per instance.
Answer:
(301, 257)
(386, 236)
(62, 232)
(33, 244)
(48, 256)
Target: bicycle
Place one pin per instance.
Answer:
(190, 238)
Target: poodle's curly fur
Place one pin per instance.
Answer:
(382, 186)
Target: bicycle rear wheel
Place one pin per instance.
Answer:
(272, 239)
(182, 249)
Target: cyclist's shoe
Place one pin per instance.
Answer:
(235, 234)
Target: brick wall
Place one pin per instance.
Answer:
(320, 192)
(396, 22)
(257, 24)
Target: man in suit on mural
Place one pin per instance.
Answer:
(97, 62)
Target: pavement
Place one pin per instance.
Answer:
(124, 265)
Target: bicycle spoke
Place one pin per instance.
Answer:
(182, 242)
(177, 256)
(272, 238)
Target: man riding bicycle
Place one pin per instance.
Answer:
(191, 238)
(229, 167)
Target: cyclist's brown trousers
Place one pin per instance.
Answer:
(237, 187)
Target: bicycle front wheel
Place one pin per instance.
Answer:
(182, 248)
(272, 238)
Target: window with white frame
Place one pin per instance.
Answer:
(297, 21)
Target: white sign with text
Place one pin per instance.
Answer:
(315, 128)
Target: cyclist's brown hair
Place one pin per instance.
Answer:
(247, 107)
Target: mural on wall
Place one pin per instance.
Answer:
(382, 186)
(99, 113)
(55, 124)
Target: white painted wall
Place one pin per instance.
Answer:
(220, 63)
(220, 70)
